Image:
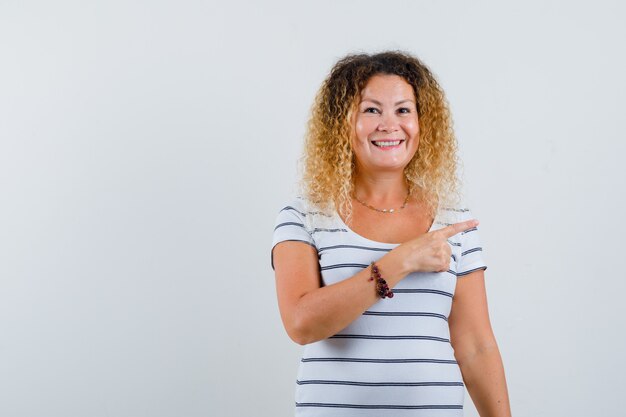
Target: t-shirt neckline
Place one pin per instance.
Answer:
(344, 225)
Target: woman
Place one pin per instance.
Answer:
(379, 269)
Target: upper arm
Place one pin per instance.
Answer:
(294, 259)
(296, 268)
(470, 327)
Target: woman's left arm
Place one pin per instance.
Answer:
(475, 347)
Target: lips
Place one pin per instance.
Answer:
(387, 143)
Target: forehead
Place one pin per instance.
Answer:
(386, 85)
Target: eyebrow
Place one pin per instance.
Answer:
(380, 104)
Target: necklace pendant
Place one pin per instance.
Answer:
(393, 210)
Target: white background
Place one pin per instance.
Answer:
(147, 146)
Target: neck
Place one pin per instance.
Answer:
(381, 190)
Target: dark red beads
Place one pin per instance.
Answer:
(381, 285)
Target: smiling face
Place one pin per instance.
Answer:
(386, 129)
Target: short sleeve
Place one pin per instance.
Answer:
(471, 258)
(290, 225)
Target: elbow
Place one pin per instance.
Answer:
(299, 338)
(301, 332)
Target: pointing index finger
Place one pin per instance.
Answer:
(455, 228)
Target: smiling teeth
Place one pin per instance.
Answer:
(387, 143)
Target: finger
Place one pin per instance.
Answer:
(455, 228)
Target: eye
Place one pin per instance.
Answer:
(404, 110)
(371, 110)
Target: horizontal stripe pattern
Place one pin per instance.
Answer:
(389, 337)
(289, 224)
(397, 355)
(470, 251)
(327, 248)
(318, 230)
(383, 406)
(377, 360)
(421, 290)
(327, 267)
(380, 384)
(405, 314)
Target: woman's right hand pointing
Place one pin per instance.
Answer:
(431, 252)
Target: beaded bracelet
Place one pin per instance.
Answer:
(381, 285)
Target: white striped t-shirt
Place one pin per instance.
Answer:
(396, 359)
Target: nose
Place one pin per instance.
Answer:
(388, 123)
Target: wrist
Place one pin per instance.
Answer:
(382, 288)
(394, 266)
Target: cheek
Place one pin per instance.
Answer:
(359, 129)
(412, 130)
(364, 126)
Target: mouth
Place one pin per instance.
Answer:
(387, 143)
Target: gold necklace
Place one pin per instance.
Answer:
(384, 210)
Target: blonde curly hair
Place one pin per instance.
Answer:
(328, 159)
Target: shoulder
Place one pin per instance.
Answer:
(297, 206)
(455, 214)
(297, 211)
(304, 209)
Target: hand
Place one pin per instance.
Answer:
(431, 252)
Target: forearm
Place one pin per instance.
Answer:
(483, 375)
(324, 312)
